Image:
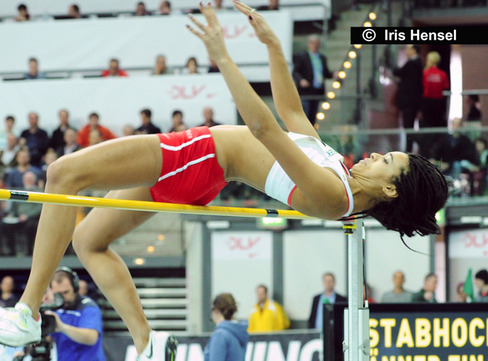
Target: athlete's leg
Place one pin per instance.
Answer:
(122, 163)
(91, 240)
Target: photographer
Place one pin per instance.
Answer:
(78, 331)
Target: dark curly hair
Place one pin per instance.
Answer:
(226, 304)
(422, 191)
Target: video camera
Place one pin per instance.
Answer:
(42, 350)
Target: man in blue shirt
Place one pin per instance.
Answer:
(78, 323)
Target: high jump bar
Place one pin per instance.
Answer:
(84, 201)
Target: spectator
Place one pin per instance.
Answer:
(23, 13)
(36, 139)
(7, 297)
(23, 218)
(9, 129)
(435, 81)
(141, 9)
(95, 137)
(70, 146)
(79, 328)
(213, 68)
(328, 296)
(267, 315)
(479, 177)
(147, 126)
(427, 293)
(49, 158)
(128, 130)
(15, 175)
(398, 294)
(229, 340)
(178, 123)
(74, 11)
(10, 152)
(454, 152)
(309, 72)
(114, 69)
(34, 72)
(481, 282)
(94, 123)
(83, 288)
(160, 67)
(410, 90)
(208, 116)
(461, 296)
(165, 8)
(57, 139)
(191, 66)
(272, 5)
(474, 111)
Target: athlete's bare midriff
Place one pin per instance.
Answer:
(241, 155)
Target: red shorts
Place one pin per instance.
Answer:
(191, 173)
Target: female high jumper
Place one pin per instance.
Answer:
(402, 191)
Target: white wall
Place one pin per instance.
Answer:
(136, 41)
(385, 254)
(307, 256)
(240, 262)
(194, 276)
(119, 100)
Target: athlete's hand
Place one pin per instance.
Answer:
(211, 35)
(261, 27)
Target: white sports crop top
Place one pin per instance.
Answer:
(280, 187)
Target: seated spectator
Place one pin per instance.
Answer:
(49, 159)
(398, 294)
(74, 11)
(328, 296)
(218, 6)
(165, 8)
(9, 129)
(36, 139)
(191, 66)
(57, 139)
(15, 175)
(7, 297)
(474, 109)
(114, 69)
(34, 72)
(94, 123)
(10, 152)
(141, 9)
(479, 176)
(160, 67)
(427, 293)
(23, 218)
(23, 13)
(70, 146)
(481, 282)
(95, 137)
(454, 153)
(267, 315)
(208, 117)
(128, 130)
(147, 126)
(272, 5)
(178, 123)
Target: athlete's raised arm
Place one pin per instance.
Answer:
(285, 94)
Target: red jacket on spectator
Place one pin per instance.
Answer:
(435, 82)
(106, 73)
(84, 135)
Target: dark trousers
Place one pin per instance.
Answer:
(433, 115)
(408, 117)
(20, 233)
(311, 105)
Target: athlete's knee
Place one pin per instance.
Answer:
(61, 174)
(85, 242)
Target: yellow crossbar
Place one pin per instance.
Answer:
(83, 201)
